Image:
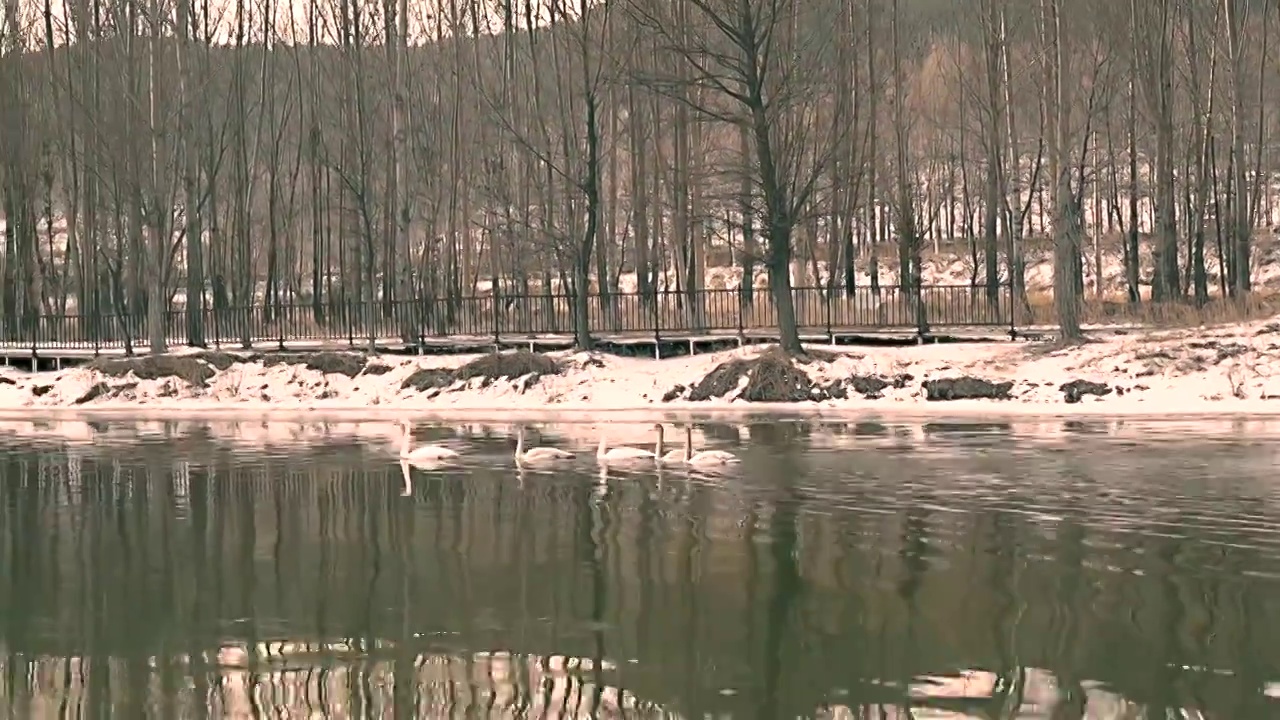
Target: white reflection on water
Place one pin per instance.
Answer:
(346, 679)
(337, 680)
(819, 434)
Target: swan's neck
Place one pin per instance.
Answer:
(603, 447)
(405, 439)
(408, 484)
(688, 443)
(520, 444)
(657, 451)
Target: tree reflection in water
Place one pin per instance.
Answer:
(185, 579)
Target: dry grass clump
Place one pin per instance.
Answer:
(1115, 309)
(722, 380)
(427, 379)
(341, 363)
(966, 388)
(519, 363)
(194, 370)
(489, 368)
(771, 376)
(219, 359)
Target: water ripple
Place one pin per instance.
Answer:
(960, 571)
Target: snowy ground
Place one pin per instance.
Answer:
(1206, 371)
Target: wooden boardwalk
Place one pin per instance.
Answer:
(634, 343)
(629, 342)
(711, 317)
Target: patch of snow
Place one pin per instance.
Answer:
(1210, 371)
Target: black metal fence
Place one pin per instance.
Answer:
(512, 317)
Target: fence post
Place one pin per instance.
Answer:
(217, 328)
(497, 345)
(922, 311)
(351, 330)
(657, 324)
(741, 301)
(826, 298)
(1013, 313)
(35, 342)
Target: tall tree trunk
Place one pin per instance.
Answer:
(1157, 66)
(1066, 221)
(747, 215)
(192, 202)
(1241, 226)
(638, 132)
(909, 261)
(991, 199)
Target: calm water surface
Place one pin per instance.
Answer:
(872, 570)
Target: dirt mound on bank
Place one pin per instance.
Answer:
(511, 365)
(966, 388)
(428, 379)
(193, 369)
(350, 364)
(771, 376)
(221, 360)
(488, 368)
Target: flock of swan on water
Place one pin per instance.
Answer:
(604, 455)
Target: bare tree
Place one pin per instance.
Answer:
(1066, 218)
(1153, 35)
(1201, 97)
(756, 64)
(910, 267)
(993, 40)
(559, 128)
(19, 297)
(1238, 201)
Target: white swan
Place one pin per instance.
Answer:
(622, 454)
(705, 457)
(538, 454)
(671, 457)
(426, 452)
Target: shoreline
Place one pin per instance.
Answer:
(1225, 372)
(966, 411)
(485, 442)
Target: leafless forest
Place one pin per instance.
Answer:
(169, 162)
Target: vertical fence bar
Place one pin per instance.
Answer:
(1013, 321)
(351, 328)
(35, 342)
(742, 301)
(494, 313)
(826, 298)
(280, 322)
(657, 323)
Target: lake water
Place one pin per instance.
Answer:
(1060, 570)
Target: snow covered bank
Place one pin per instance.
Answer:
(1208, 371)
